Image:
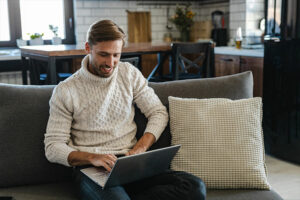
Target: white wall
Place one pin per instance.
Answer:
(255, 12)
(237, 17)
(245, 14)
(88, 11)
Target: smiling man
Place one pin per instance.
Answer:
(104, 57)
(92, 122)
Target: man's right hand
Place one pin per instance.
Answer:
(105, 160)
(78, 158)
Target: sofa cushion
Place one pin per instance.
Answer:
(24, 112)
(222, 141)
(237, 86)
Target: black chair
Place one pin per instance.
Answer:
(59, 77)
(135, 61)
(39, 70)
(189, 61)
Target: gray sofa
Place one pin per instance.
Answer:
(26, 174)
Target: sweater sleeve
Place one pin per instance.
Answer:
(59, 125)
(149, 104)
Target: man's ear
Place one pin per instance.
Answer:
(88, 47)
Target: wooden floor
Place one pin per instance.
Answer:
(284, 178)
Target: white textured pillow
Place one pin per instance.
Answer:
(222, 141)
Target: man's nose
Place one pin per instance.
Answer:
(110, 61)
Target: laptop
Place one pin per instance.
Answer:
(133, 168)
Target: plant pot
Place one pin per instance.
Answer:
(36, 41)
(56, 40)
(21, 42)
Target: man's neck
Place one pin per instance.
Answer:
(89, 67)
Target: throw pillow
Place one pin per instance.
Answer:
(222, 141)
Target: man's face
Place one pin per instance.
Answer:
(104, 57)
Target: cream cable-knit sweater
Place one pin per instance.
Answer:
(93, 114)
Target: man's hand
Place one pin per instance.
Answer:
(103, 160)
(142, 145)
(78, 158)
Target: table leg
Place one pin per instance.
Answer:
(161, 57)
(52, 71)
(24, 70)
(175, 72)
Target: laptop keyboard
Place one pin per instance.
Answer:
(98, 175)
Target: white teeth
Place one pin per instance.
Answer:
(106, 69)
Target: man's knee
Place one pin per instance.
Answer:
(200, 189)
(197, 187)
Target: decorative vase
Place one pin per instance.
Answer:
(36, 41)
(21, 42)
(56, 40)
(184, 36)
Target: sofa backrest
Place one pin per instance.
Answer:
(237, 86)
(24, 112)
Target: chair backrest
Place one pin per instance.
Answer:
(191, 59)
(132, 60)
(39, 71)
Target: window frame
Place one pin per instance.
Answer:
(14, 17)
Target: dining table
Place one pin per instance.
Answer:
(53, 53)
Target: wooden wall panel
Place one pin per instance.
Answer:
(139, 30)
(139, 27)
(201, 30)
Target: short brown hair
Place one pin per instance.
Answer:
(104, 30)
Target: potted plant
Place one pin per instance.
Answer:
(55, 40)
(183, 20)
(36, 39)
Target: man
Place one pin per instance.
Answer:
(92, 121)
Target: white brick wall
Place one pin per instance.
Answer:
(237, 16)
(246, 14)
(242, 13)
(12, 77)
(255, 12)
(88, 11)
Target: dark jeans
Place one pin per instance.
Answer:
(170, 185)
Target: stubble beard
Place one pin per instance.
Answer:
(104, 71)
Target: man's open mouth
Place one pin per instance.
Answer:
(106, 69)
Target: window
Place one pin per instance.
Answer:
(4, 27)
(50, 12)
(20, 18)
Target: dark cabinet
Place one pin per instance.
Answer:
(231, 64)
(281, 100)
(226, 65)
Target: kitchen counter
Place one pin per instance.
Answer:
(230, 60)
(240, 52)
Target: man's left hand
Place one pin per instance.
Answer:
(142, 145)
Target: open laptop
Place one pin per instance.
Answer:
(134, 167)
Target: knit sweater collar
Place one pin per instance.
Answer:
(92, 77)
